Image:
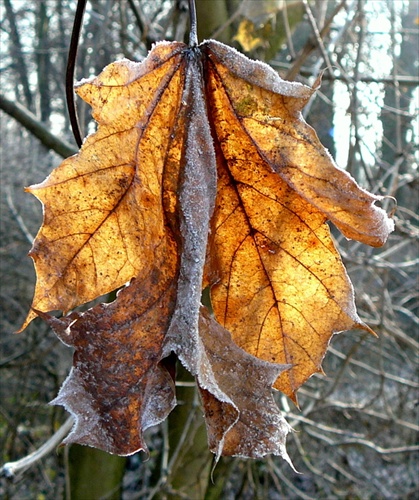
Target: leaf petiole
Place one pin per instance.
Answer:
(71, 64)
(193, 36)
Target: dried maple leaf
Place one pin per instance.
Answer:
(202, 173)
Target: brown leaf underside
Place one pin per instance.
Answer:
(183, 176)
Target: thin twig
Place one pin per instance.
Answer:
(290, 43)
(379, 449)
(318, 37)
(410, 81)
(163, 477)
(10, 469)
(229, 21)
(326, 428)
(142, 23)
(344, 472)
(304, 455)
(370, 369)
(309, 47)
(20, 222)
(278, 472)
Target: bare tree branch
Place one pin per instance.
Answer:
(10, 469)
(31, 123)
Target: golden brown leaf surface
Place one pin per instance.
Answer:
(278, 270)
(104, 218)
(202, 173)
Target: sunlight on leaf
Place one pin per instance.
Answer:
(202, 173)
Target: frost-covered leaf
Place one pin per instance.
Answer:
(237, 424)
(202, 173)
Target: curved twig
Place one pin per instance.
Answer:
(69, 76)
(10, 469)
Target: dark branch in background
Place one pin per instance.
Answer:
(137, 14)
(43, 62)
(310, 45)
(31, 123)
(318, 38)
(410, 81)
(145, 25)
(17, 53)
(71, 64)
(180, 16)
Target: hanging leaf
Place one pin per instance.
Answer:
(202, 173)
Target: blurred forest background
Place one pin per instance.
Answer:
(356, 432)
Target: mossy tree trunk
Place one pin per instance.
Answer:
(93, 474)
(210, 16)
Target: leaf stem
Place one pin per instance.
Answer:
(193, 34)
(71, 63)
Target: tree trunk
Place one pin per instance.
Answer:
(211, 15)
(93, 474)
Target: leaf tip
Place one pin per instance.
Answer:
(29, 318)
(294, 398)
(366, 328)
(320, 371)
(318, 81)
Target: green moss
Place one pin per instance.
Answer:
(246, 105)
